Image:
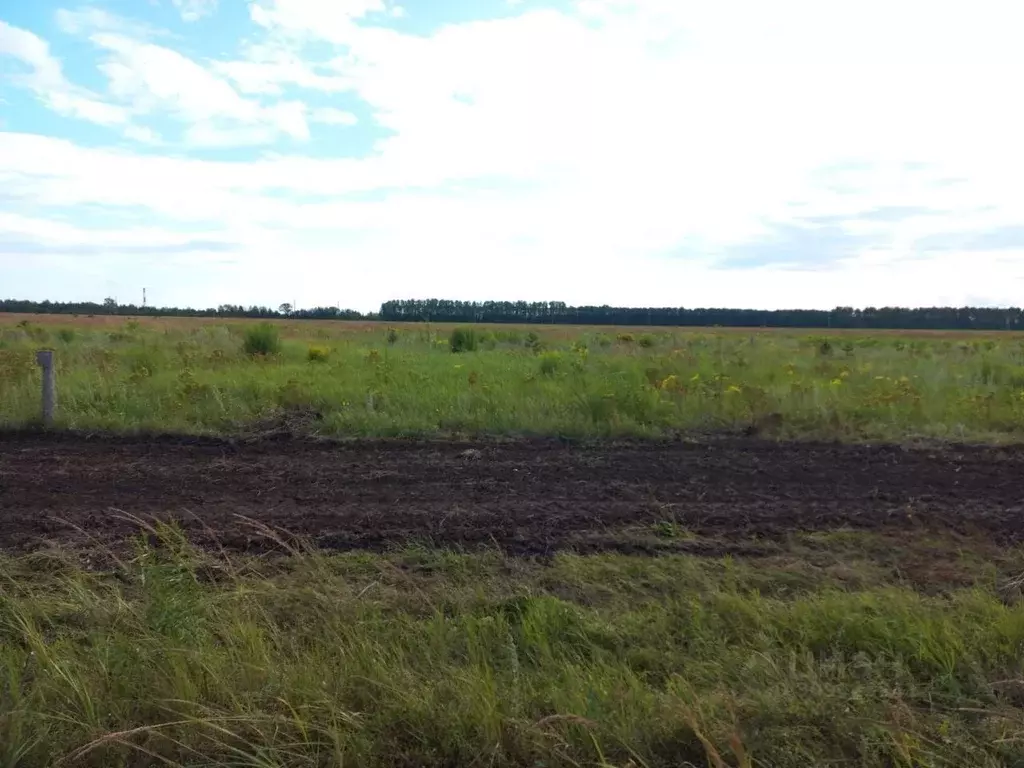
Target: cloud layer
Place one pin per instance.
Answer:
(659, 152)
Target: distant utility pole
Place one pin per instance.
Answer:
(143, 297)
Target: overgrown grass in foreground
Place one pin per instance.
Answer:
(373, 380)
(421, 657)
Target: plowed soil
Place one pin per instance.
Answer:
(524, 496)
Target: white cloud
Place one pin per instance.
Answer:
(146, 79)
(32, 51)
(46, 79)
(151, 77)
(333, 116)
(142, 134)
(193, 10)
(90, 19)
(51, 232)
(155, 79)
(328, 20)
(268, 71)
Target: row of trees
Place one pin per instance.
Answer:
(556, 312)
(111, 307)
(939, 318)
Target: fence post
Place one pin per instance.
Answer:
(44, 357)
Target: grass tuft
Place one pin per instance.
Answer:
(463, 340)
(261, 340)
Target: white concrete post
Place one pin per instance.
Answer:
(45, 359)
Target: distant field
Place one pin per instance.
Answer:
(296, 326)
(355, 378)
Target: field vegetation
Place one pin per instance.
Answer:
(417, 379)
(894, 647)
(842, 650)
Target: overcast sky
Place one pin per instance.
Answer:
(791, 153)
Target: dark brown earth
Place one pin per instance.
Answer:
(524, 496)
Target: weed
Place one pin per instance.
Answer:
(317, 354)
(487, 340)
(261, 340)
(549, 363)
(463, 340)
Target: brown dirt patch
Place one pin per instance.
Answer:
(524, 496)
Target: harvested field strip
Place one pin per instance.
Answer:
(524, 496)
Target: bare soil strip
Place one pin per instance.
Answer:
(528, 496)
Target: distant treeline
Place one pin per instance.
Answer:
(937, 318)
(556, 312)
(111, 307)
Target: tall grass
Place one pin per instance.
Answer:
(261, 339)
(570, 381)
(177, 657)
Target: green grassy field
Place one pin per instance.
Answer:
(365, 379)
(840, 649)
(827, 649)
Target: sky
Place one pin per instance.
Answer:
(738, 153)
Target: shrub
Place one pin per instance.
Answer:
(549, 363)
(317, 354)
(534, 342)
(646, 341)
(261, 339)
(67, 335)
(463, 340)
(392, 336)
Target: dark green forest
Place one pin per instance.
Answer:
(938, 318)
(555, 312)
